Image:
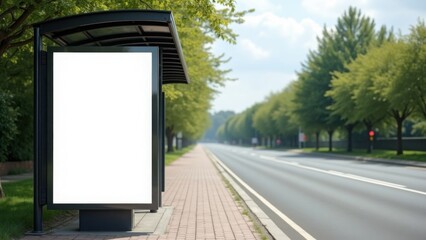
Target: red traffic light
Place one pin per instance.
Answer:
(371, 133)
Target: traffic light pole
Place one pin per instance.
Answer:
(370, 141)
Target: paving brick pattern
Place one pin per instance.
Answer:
(203, 208)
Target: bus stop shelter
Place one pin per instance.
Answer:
(99, 113)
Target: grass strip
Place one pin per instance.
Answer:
(245, 209)
(16, 210)
(173, 156)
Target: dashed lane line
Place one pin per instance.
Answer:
(345, 175)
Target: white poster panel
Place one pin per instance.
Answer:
(102, 128)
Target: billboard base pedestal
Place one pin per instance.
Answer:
(106, 220)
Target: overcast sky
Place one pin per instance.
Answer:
(275, 40)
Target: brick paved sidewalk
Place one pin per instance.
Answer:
(203, 208)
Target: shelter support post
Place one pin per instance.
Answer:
(38, 148)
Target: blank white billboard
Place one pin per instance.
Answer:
(102, 127)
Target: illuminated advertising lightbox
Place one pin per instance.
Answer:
(102, 106)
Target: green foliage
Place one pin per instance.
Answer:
(217, 119)
(16, 78)
(388, 81)
(412, 70)
(353, 36)
(272, 118)
(285, 119)
(262, 118)
(239, 127)
(356, 75)
(350, 88)
(8, 128)
(275, 117)
(199, 23)
(245, 125)
(352, 92)
(420, 127)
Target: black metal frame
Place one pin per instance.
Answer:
(39, 119)
(154, 134)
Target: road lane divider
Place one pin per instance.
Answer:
(345, 175)
(276, 232)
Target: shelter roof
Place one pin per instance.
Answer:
(123, 28)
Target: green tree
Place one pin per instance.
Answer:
(400, 105)
(239, 127)
(406, 78)
(199, 23)
(306, 108)
(353, 98)
(263, 120)
(285, 121)
(226, 132)
(16, 78)
(353, 36)
(414, 73)
(221, 133)
(348, 88)
(378, 91)
(216, 119)
(8, 128)
(247, 130)
(412, 82)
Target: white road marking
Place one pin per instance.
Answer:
(346, 175)
(290, 222)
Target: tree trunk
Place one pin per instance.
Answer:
(399, 118)
(349, 129)
(169, 135)
(186, 142)
(330, 140)
(2, 195)
(399, 147)
(317, 140)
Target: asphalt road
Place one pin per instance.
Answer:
(332, 198)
